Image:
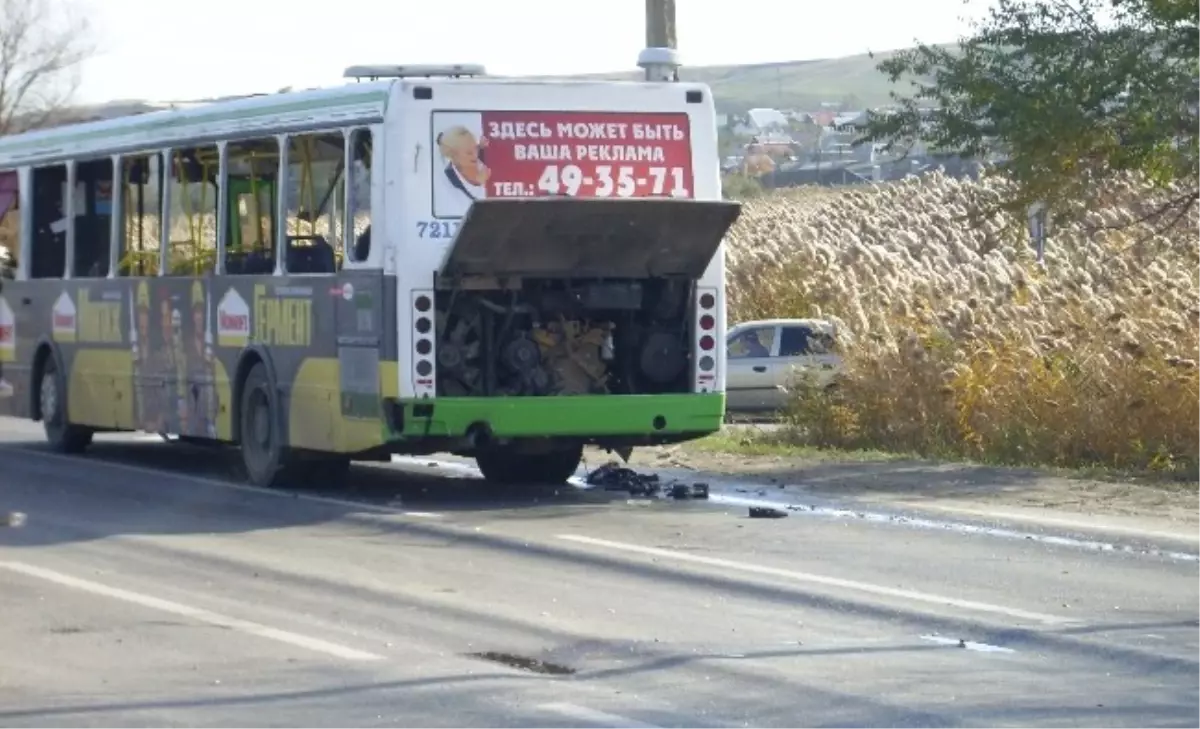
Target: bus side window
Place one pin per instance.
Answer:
(253, 167)
(48, 253)
(193, 224)
(315, 163)
(358, 196)
(93, 216)
(10, 224)
(141, 215)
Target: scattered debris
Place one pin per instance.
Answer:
(613, 477)
(765, 512)
(13, 519)
(527, 664)
(681, 490)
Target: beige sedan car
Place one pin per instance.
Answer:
(765, 357)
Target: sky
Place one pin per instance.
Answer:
(175, 50)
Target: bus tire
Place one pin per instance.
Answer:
(264, 455)
(62, 435)
(509, 466)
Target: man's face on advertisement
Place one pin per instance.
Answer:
(464, 151)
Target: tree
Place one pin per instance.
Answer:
(1065, 92)
(42, 47)
(41, 51)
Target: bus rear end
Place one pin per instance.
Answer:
(560, 265)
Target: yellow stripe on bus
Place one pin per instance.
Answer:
(100, 388)
(315, 417)
(101, 394)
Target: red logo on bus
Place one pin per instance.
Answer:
(234, 322)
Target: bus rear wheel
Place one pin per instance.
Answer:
(63, 436)
(264, 456)
(509, 466)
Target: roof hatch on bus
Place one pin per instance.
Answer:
(588, 238)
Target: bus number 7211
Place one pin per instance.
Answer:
(437, 228)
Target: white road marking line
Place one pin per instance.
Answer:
(967, 644)
(198, 614)
(592, 716)
(138, 438)
(159, 473)
(435, 465)
(1055, 521)
(579, 480)
(899, 519)
(821, 580)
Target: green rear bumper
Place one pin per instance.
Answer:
(586, 416)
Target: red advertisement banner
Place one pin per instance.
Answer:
(581, 154)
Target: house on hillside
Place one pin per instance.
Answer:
(766, 126)
(849, 121)
(821, 118)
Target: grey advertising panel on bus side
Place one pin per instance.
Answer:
(159, 354)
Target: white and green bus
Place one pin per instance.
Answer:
(423, 260)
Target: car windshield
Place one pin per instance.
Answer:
(754, 342)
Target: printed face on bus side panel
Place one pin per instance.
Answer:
(164, 311)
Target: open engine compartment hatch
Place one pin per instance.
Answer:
(588, 237)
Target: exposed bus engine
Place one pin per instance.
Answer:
(555, 337)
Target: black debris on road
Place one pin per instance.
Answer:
(766, 512)
(614, 477)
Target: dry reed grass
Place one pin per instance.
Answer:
(959, 343)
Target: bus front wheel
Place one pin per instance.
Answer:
(509, 466)
(62, 435)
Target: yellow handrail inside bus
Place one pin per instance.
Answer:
(141, 259)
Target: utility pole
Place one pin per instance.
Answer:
(660, 24)
(660, 58)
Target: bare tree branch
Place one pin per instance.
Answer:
(43, 44)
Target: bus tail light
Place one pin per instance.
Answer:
(705, 372)
(424, 354)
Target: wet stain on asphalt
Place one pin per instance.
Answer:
(524, 663)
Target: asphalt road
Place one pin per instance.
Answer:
(146, 589)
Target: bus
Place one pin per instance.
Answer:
(421, 260)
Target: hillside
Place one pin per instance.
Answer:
(790, 84)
